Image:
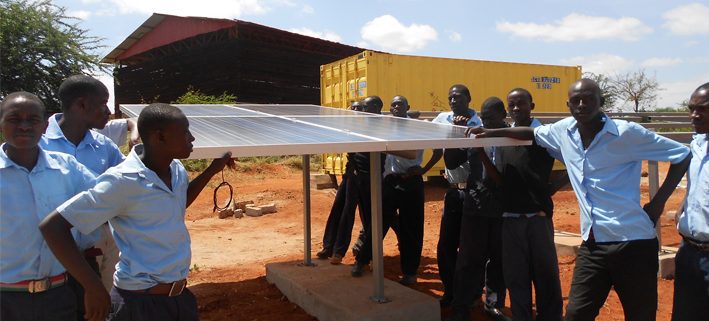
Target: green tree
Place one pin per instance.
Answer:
(637, 88)
(40, 47)
(194, 96)
(607, 89)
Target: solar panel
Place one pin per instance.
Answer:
(266, 130)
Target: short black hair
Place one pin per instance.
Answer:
(524, 91)
(24, 95)
(464, 90)
(705, 86)
(494, 103)
(78, 86)
(155, 117)
(376, 100)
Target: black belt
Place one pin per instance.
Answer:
(701, 246)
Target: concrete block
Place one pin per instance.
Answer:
(329, 293)
(238, 213)
(268, 208)
(322, 181)
(324, 185)
(242, 204)
(253, 211)
(225, 213)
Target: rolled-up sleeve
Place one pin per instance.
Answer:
(547, 136)
(648, 145)
(89, 209)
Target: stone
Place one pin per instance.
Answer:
(253, 211)
(242, 204)
(238, 213)
(225, 213)
(268, 208)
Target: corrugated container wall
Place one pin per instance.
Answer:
(425, 80)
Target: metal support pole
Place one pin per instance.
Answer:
(375, 172)
(306, 211)
(654, 184)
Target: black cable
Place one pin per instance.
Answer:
(231, 195)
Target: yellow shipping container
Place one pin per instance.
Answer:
(425, 81)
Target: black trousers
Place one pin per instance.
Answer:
(338, 229)
(529, 258)
(629, 267)
(58, 304)
(402, 205)
(133, 306)
(479, 262)
(449, 237)
(691, 301)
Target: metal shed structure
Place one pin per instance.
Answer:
(168, 54)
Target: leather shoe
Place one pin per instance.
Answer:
(357, 269)
(324, 254)
(495, 313)
(445, 301)
(336, 259)
(408, 280)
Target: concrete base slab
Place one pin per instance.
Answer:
(567, 243)
(329, 293)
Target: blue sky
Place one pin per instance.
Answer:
(669, 39)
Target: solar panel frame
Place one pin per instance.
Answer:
(311, 129)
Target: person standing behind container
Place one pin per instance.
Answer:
(691, 299)
(403, 191)
(603, 158)
(456, 174)
(528, 250)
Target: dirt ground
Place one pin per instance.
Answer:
(228, 255)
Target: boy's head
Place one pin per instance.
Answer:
(85, 98)
(372, 105)
(699, 109)
(585, 101)
(459, 99)
(165, 128)
(493, 113)
(399, 106)
(23, 119)
(520, 105)
(356, 105)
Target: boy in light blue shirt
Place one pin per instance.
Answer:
(32, 183)
(603, 158)
(691, 294)
(144, 200)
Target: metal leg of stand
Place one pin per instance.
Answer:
(306, 211)
(654, 184)
(375, 172)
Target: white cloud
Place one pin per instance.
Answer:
(605, 64)
(454, 36)
(660, 62)
(81, 14)
(362, 44)
(107, 79)
(327, 35)
(307, 9)
(387, 32)
(205, 8)
(691, 19)
(677, 91)
(577, 27)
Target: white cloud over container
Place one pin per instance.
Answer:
(203, 8)
(686, 20)
(603, 63)
(390, 34)
(578, 27)
(454, 36)
(327, 35)
(661, 62)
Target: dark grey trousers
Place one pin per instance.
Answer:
(529, 258)
(691, 300)
(58, 304)
(133, 306)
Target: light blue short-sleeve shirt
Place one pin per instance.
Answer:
(694, 220)
(26, 198)
(459, 174)
(606, 175)
(147, 220)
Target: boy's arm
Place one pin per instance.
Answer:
(56, 231)
(521, 132)
(418, 170)
(198, 183)
(557, 180)
(134, 138)
(656, 205)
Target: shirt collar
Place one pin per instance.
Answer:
(609, 126)
(43, 161)
(55, 132)
(132, 163)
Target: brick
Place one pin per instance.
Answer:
(253, 211)
(268, 208)
(225, 213)
(242, 205)
(238, 213)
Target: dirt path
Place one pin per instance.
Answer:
(228, 256)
